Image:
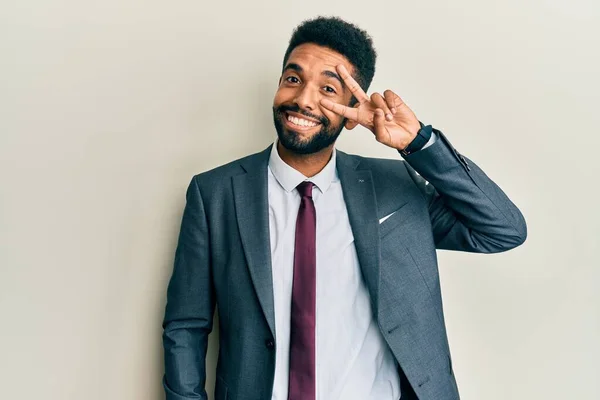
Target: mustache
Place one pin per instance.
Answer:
(295, 108)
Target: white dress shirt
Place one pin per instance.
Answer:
(353, 361)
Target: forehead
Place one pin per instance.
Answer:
(315, 58)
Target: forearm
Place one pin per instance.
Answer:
(469, 212)
(190, 306)
(185, 345)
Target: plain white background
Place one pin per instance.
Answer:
(108, 108)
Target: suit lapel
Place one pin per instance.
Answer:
(252, 212)
(359, 195)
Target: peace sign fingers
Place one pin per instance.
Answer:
(387, 116)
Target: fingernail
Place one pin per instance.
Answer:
(393, 111)
(389, 117)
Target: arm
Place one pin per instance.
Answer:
(468, 211)
(190, 306)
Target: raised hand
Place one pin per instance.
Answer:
(387, 116)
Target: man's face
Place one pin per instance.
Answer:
(303, 125)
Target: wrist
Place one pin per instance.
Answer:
(418, 141)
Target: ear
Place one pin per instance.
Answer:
(350, 124)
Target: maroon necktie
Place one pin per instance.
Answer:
(302, 326)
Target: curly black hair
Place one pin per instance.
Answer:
(341, 36)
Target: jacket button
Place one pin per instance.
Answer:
(269, 343)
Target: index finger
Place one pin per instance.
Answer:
(354, 87)
(347, 112)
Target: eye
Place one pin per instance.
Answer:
(329, 89)
(292, 79)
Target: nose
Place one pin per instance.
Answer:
(306, 98)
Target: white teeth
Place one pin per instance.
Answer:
(301, 121)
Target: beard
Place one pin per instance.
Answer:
(292, 141)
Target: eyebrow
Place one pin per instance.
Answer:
(331, 74)
(334, 75)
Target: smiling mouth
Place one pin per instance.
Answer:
(299, 123)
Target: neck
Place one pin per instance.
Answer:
(307, 164)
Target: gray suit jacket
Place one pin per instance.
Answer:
(223, 258)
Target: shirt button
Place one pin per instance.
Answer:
(269, 343)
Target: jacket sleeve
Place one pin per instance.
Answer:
(468, 211)
(190, 305)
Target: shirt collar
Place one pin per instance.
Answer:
(289, 178)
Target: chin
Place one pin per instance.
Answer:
(303, 141)
(295, 142)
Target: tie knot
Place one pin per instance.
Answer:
(305, 189)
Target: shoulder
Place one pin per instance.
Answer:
(379, 167)
(390, 176)
(222, 174)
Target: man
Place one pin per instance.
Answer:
(323, 264)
